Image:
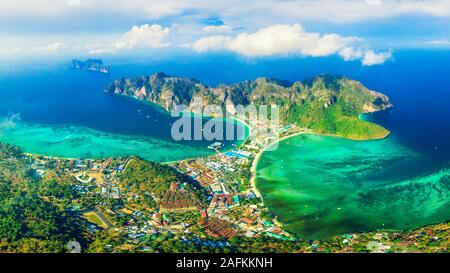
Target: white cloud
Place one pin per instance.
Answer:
(212, 43)
(431, 43)
(153, 36)
(51, 48)
(372, 58)
(440, 42)
(139, 37)
(33, 47)
(291, 39)
(101, 51)
(277, 40)
(55, 47)
(351, 53)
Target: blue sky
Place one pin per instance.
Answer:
(366, 31)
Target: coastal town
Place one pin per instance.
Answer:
(233, 205)
(230, 211)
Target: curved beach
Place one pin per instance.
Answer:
(258, 157)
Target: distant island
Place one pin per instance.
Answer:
(325, 104)
(90, 64)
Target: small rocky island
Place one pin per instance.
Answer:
(95, 65)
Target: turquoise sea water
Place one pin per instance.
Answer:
(64, 112)
(321, 186)
(72, 141)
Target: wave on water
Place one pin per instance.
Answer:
(9, 121)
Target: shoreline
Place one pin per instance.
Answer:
(258, 157)
(162, 110)
(246, 124)
(253, 168)
(61, 157)
(264, 149)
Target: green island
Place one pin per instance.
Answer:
(326, 104)
(204, 204)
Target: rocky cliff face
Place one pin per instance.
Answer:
(325, 104)
(160, 88)
(320, 92)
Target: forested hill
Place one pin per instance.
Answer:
(29, 222)
(326, 104)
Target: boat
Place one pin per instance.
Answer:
(216, 146)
